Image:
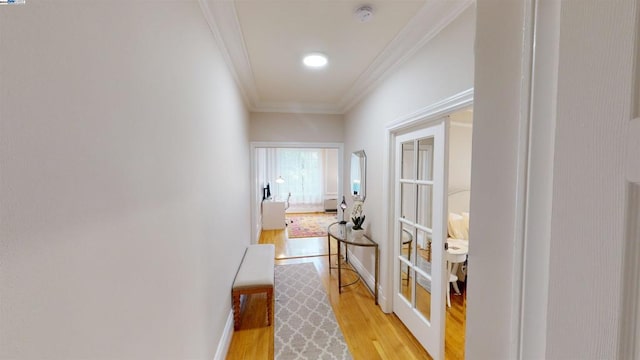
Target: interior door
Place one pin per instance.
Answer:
(420, 234)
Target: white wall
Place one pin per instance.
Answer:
(580, 317)
(281, 127)
(589, 188)
(258, 183)
(497, 99)
(444, 67)
(540, 181)
(119, 239)
(460, 141)
(331, 173)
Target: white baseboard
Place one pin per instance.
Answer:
(259, 235)
(366, 276)
(225, 339)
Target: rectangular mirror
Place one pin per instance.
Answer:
(358, 175)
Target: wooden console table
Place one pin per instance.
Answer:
(342, 235)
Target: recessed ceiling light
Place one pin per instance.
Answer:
(315, 60)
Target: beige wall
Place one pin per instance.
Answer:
(119, 239)
(296, 127)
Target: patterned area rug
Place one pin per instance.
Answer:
(305, 326)
(309, 225)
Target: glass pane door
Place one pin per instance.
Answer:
(419, 239)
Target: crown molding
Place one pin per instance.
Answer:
(223, 21)
(222, 18)
(297, 108)
(428, 22)
(462, 124)
(441, 108)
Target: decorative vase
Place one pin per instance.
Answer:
(357, 234)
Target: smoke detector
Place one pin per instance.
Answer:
(364, 13)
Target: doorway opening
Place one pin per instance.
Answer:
(458, 199)
(429, 185)
(296, 187)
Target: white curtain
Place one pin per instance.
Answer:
(302, 171)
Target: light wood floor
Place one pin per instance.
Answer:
(369, 333)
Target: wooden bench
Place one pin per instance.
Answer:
(255, 275)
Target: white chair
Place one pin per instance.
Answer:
(456, 253)
(286, 203)
(452, 280)
(286, 206)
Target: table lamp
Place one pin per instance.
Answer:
(343, 206)
(279, 181)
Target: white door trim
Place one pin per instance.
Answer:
(432, 112)
(629, 346)
(630, 309)
(421, 117)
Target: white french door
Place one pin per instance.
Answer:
(420, 234)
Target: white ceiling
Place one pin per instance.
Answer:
(264, 42)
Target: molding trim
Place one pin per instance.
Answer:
(222, 18)
(284, 144)
(633, 150)
(258, 235)
(428, 22)
(525, 217)
(225, 339)
(429, 112)
(628, 347)
(366, 276)
(297, 108)
(461, 124)
(629, 344)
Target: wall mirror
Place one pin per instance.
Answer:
(358, 175)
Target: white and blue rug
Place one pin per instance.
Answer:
(305, 326)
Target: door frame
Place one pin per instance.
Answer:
(254, 145)
(420, 118)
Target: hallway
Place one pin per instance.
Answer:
(370, 333)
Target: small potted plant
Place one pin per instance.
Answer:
(357, 231)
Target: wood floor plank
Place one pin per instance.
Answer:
(369, 333)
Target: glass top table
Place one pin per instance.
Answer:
(343, 234)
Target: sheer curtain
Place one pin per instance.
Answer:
(303, 174)
(302, 170)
